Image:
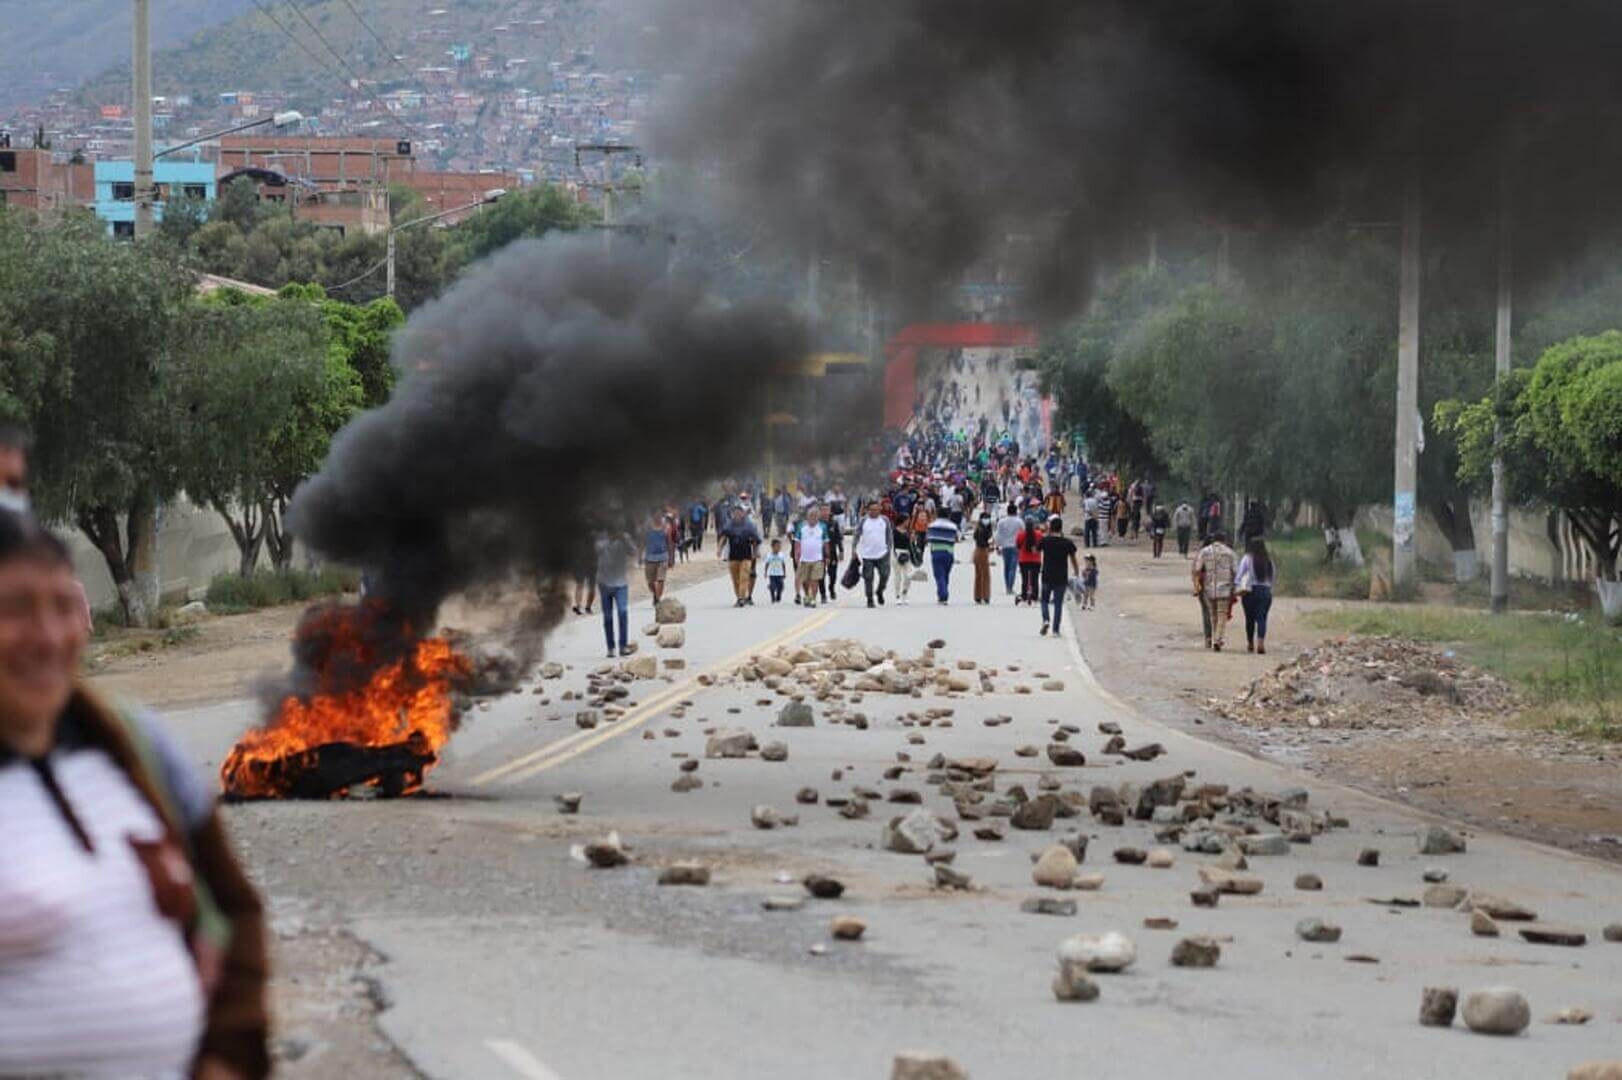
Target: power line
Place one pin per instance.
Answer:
(323, 39)
(390, 53)
(320, 63)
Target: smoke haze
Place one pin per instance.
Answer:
(912, 137)
(555, 388)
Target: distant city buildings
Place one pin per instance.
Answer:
(464, 108)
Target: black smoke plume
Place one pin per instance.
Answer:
(914, 138)
(557, 389)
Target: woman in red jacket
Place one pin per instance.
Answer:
(1030, 561)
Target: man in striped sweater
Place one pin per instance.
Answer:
(941, 537)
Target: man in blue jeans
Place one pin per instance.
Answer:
(1058, 564)
(1006, 541)
(614, 555)
(941, 537)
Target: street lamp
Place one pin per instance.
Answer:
(279, 119)
(493, 195)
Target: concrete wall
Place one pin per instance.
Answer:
(193, 546)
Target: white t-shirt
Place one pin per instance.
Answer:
(870, 542)
(93, 980)
(810, 542)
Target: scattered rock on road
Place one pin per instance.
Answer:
(1108, 952)
(568, 802)
(1481, 924)
(671, 637)
(847, 928)
(914, 1066)
(1500, 1010)
(796, 714)
(1072, 983)
(1443, 896)
(1613, 932)
(912, 834)
(823, 887)
(685, 873)
(607, 852)
(1048, 905)
(1545, 934)
(1066, 756)
(807, 796)
(1436, 840)
(669, 611)
(1596, 1070)
(1035, 814)
(1501, 907)
(729, 744)
(1437, 1006)
(1199, 951)
(774, 751)
(1309, 882)
(1368, 857)
(1316, 930)
(764, 817)
(1056, 869)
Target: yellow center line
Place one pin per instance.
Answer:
(561, 750)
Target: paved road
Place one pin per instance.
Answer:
(507, 958)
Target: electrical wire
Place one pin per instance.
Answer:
(390, 53)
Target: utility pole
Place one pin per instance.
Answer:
(388, 257)
(141, 69)
(1407, 456)
(1500, 495)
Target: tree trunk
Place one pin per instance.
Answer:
(1347, 546)
(142, 526)
(248, 533)
(100, 525)
(277, 541)
(1453, 515)
(1602, 538)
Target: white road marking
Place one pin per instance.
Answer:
(522, 1061)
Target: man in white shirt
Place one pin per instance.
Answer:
(813, 538)
(1007, 541)
(875, 546)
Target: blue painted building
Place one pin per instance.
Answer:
(115, 189)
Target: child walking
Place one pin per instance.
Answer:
(776, 571)
(1089, 582)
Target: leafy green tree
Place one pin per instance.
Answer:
(1561, 422)
(531, 212)
(239, 379)
(1074, 370)
(103, 422)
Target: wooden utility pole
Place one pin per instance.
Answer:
(1407, 455)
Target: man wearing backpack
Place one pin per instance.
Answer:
(875, 546)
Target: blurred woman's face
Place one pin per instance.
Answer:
(42, 635)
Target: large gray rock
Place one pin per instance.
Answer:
(912, 834)
(1035, 814)
(1500, 1010)
(1596, 1070)
(796, 714)
(1107, 952)
(669, 611)
(729, 744)
(1264, 844)
(774, 751)
(671, 637)
(1435, 840)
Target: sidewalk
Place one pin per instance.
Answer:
(1144, 643)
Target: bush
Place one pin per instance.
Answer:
(1302, 571)
(231, 593)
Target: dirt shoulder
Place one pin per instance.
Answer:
(1145, 644)
(229, 654)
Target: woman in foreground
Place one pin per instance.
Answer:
(131, 944)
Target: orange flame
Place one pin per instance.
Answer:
(405, 703)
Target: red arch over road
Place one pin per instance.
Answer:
(901, 357)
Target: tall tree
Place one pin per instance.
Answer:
(104, 456)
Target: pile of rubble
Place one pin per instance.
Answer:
(1376, 684)
(826, 669)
